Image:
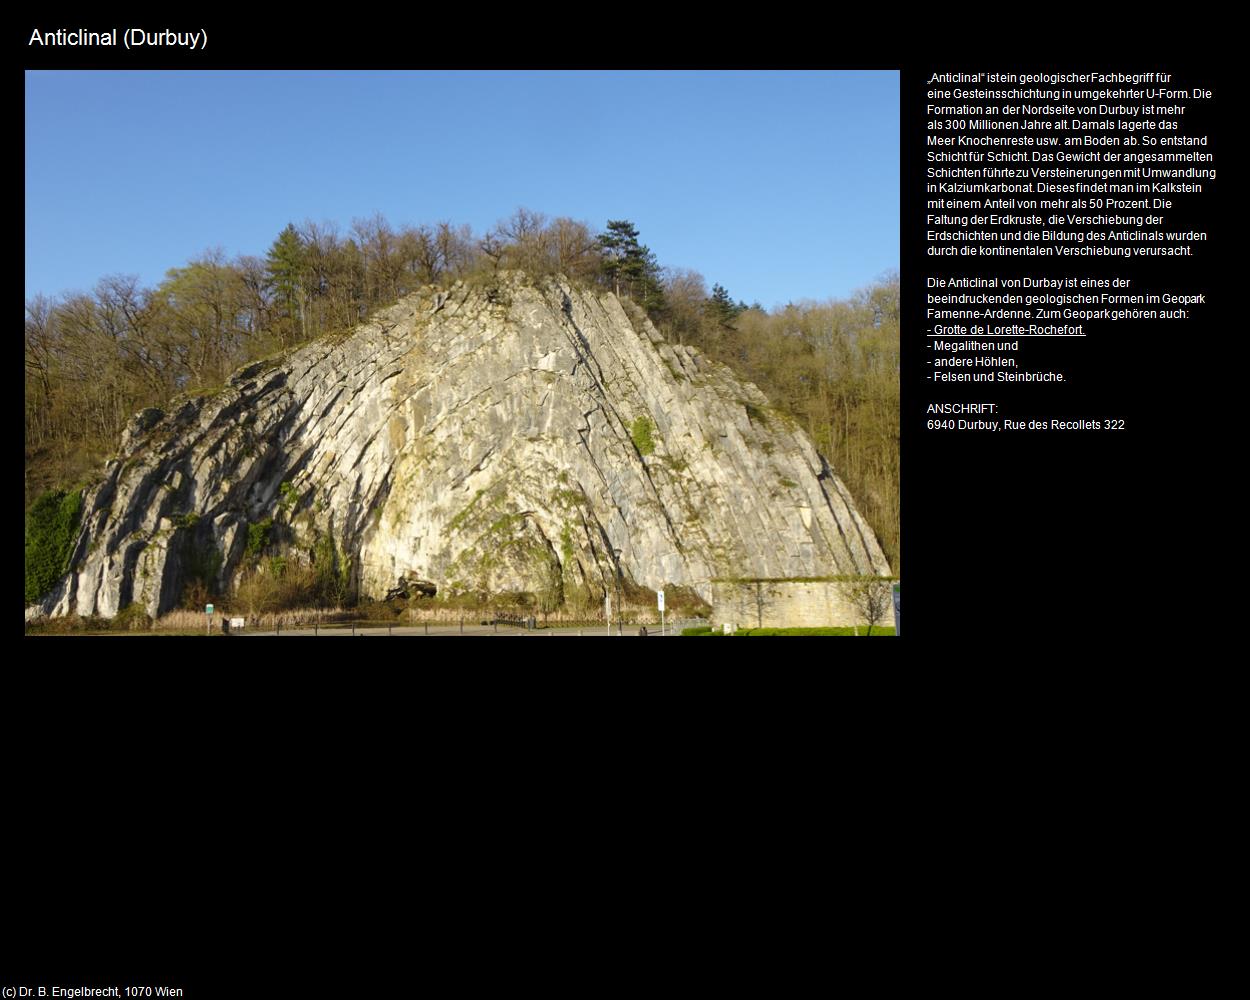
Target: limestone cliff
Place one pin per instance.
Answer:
(521, 437)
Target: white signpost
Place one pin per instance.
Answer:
(659, 597)
(208, 610)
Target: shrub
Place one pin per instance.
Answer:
(332, 571)
(683, 601)
(278, 585)
(195, 594)
(132, 618)
(201, 564)
(258, 536)
(51, 527)
(640, 431)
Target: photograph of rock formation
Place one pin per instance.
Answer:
(525, 418)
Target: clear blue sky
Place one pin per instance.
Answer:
(778, 185)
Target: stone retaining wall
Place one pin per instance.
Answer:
(786, 604)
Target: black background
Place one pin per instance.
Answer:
(1022, 535)
(1067, 544)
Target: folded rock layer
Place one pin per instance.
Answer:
(524, 436)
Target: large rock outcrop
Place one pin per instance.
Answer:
(518, 437)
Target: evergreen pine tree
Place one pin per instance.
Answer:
(630, 266)
(721, 307)
(284, 265)
(620, 252)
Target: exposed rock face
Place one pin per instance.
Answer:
(519, 437)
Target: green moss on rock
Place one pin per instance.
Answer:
(641, 431)
(51, 527)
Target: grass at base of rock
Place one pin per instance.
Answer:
(827, 630)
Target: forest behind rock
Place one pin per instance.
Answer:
(93, 359)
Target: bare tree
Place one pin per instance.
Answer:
(527, 242)
(454, 247)
(41, 349)
(871, 597)
(575, 249)
(685, 291)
